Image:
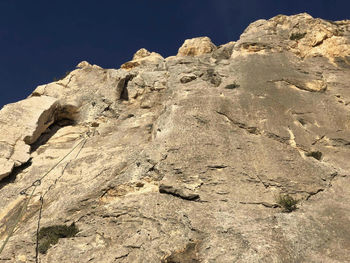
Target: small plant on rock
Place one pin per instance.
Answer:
(287, 202)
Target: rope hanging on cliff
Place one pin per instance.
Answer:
(35, 184)
(42, 198)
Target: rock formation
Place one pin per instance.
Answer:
(186, 158)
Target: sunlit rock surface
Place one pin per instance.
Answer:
(183, 159)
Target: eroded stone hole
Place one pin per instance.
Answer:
(297, 36)
(302, 121)
(212, 77)
(234, 85)
(124, 95)
(65, 115)
(49, 236)
(315, 154)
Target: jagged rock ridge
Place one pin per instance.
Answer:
(184, 157)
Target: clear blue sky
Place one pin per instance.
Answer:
(41, 40)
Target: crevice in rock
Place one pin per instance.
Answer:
(215, 167)
(250, 129)
(299, 84)
(186, 221)
(266, 204)
(256, 130)
(124, 95)
(302, 121)
(50, 131)
(297, 36)
(201, 120)
(123, 87)
(255, 46)
(11, 178)
(113, 215)
(122, 256)
(338, 142)
(310, 194)
(277, 138)
(300, 113)
(180, 193)
(317, 140)
(153, 169)
(234, 85)
(315, 154)
(70, 78)
(321, 189)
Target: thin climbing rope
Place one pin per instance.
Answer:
(35, 184)
(42, 201)
(38, 181)
(17, 220)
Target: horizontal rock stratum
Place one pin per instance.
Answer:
(187, 158)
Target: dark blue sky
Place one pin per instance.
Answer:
(41, 40)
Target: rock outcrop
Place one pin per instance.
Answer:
(21, 125)
(192, 158)
(143, 57)
(196, 47)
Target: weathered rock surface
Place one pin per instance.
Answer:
(182, 159)
(21, 125)
(196, 47)
(143, 57)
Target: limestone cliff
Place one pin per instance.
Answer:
(185, 158)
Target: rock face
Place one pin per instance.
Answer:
(184, 159)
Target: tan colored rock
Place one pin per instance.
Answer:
(316, 85)
(21, 153)
(196, 47)
(6, 167)
(301, 34)
(21, 125)
(141, 53)
(174, 161)
(331, 48)
(83, 64)
(143, 57)
(85, 93)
